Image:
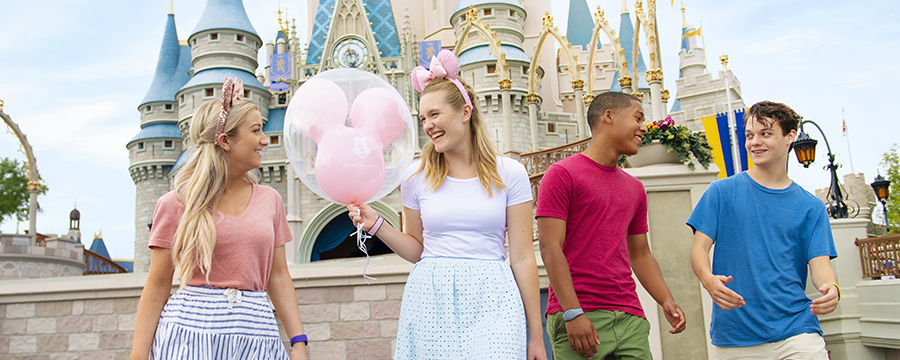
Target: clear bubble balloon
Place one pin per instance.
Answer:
(349, 135)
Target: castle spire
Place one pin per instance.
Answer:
(171, 7)
(581, 24)
(683, 17)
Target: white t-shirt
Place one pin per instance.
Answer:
(459, 219)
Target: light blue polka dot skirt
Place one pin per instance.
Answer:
(461, 309)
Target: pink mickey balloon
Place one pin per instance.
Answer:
(350, 165)
(318, 104)
(380, 111)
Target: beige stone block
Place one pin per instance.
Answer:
(22, 344)
(18, 311)
(389, 328)
(386, 310)
(369, 293)
(95, 307)
(347, 330)
(35, 357)
(42, 326)
(64, 356)
(331, 350)
(371, 329)
(14, 327)
(73, 324)
(104, 323)
(84, 342)
(2, 311)
(53, 309)
(78, 307)
(52, 343)
(369, 349)
(125, 306)
(309, 296)
(394, 291)
(351, 312)
(123, 354)
(4, 344)
(342, 294)
(98, 355)
(319, 313)
(113, 341)
(318, 332)
(126, 322)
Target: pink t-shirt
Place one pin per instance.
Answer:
(242, 258)
(601, 206)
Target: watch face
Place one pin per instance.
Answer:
(351, 53)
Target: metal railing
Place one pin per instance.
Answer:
(96, 264)
(879, 256)
(537, 162)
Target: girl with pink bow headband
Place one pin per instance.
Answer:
(462, 200)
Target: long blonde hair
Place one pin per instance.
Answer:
(200, 183)
(484, 153)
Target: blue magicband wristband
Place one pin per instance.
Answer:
(299, 338)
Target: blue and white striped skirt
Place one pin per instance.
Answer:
(461, 309)
(203, 323)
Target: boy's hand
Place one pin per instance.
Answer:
(583, 336)
(726, 298)
(675, 316)
(828, 302)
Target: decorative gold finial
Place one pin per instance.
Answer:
(624, 7)
(683, 16)
(639, 96)
(665, 95)
(471, 14)
(547, 20)
(171, 7)
(724, 59)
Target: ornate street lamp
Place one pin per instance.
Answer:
(881, 187)
(805, 148)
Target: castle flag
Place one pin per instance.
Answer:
(719, 138)
(279, 70)
(692, 33)
(428, 50)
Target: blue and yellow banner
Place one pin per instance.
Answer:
(719, 137)
(428, 50)
(280, 68)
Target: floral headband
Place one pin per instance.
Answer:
(232, 91)
(443, 66)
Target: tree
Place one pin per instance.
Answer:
(14, 190)
(891, 161)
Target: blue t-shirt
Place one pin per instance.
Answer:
(764, 238)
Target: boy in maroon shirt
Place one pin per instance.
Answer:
(592, 226)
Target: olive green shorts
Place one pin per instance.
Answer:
(622, 336)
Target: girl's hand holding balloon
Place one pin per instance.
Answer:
(362, 213)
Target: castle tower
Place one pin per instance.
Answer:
(75, 226)
(698, 93)
(154, 150)
(478, 67)
(626, 39)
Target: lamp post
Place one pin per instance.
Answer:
(881, 186)
(805, 148)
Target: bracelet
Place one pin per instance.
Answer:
(299, 338)
(839, 290)
(377, 226)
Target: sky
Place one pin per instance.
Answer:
(72, 73)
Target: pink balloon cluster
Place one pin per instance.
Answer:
(350, 160)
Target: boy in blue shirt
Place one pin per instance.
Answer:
(767, 230)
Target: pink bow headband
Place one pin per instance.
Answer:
(232, 91)
(443, 66)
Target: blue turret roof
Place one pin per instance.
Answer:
(217, 76)
(383, 27)
(99, 247)
(275, 121)
(626, 38)
(676, 106)
(287, 44)
(178, 162)
(483, 53)
(224, 14)
(158, 131)
(463, 4)
(171, 68)
(581, 25)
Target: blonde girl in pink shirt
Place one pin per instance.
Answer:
(224, 236)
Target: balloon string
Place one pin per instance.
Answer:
(361, 237)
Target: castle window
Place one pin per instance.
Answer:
(487, 12)
(148, 108)
(140, 146)
(551, 127)
(524, 70)
(168, 107)
(214, 36)
(273, 140)
(282, 99)
(492, 69)
(239, 38)
(181, 100)
(194, 42)
(210, 92)
(168, 144)
(247, 94)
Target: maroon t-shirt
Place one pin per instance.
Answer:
(601, 205)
